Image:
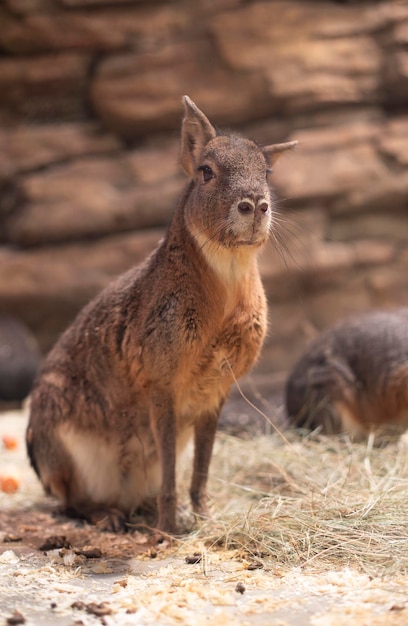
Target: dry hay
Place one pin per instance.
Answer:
(303, 530)
(314, 502)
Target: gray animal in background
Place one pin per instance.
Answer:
(19, 360)
(353, 378)
(147, 365)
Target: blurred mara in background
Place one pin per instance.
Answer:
(354, 377)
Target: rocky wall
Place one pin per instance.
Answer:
(90, 110)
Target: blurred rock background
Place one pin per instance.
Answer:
(90, 110)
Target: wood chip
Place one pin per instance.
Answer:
(90, 553)
(93, 608)
(11, 538)
(195, 558)
(102, 608)
(55, 542)
(16, 618)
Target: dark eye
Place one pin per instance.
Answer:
(208, 174)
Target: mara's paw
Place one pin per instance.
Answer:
(109, 519)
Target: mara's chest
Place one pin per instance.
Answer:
(227, 355)
(238, 344)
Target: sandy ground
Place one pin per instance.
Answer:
(62, 572)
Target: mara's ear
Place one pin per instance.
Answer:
(273, 152)
(196, 132)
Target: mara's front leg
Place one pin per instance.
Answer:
(163, 421)
(204, 435)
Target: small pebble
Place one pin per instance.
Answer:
(240, 588)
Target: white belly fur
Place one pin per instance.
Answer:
(98, 464)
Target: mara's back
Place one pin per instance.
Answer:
(149, 362)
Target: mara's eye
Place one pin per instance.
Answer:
(208, 174)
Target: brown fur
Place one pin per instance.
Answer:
(354, 377)
(149, 362)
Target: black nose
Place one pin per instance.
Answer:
(263, 207)
(245, 208)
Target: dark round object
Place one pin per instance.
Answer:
(19, 360)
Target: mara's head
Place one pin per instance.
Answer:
(230, 201)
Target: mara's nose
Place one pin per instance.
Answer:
(245, 207)
(263, 206)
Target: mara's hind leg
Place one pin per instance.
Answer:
(105, 518)
(59, 473)
(52, 463)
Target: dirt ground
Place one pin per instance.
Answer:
(58, 571)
